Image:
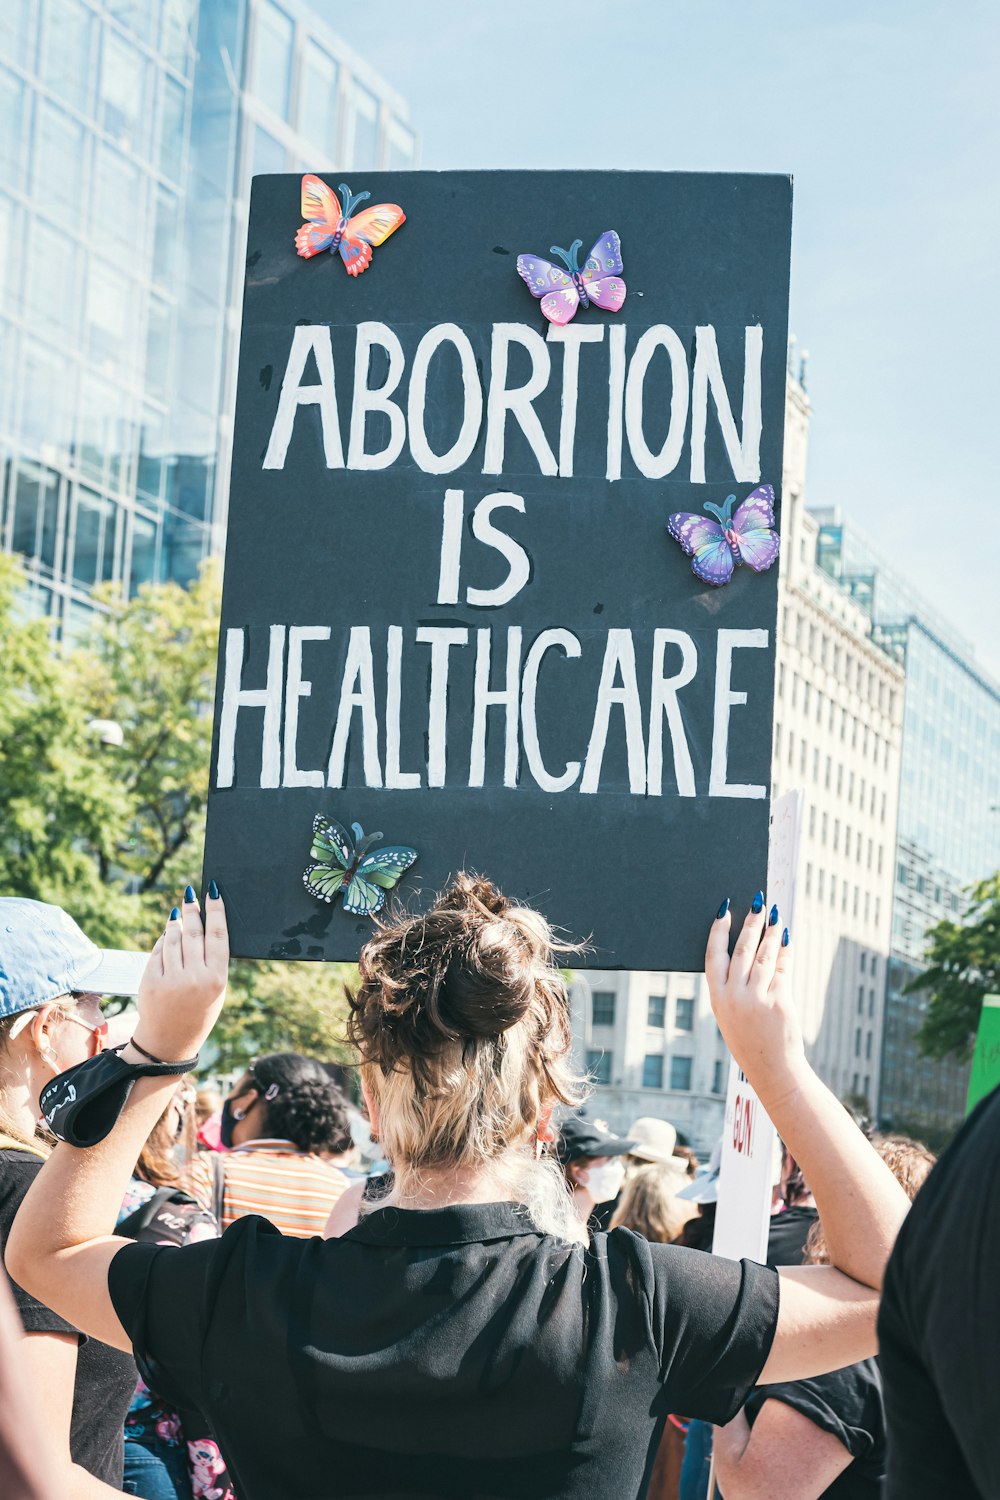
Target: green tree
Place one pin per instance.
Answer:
(114, 831)
(963, 965)
(61, 807)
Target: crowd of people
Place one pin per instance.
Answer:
(461, 1283)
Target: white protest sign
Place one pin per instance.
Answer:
(746, 1172)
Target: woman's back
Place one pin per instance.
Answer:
(447, 1352)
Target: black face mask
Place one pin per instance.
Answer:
(227, 1124)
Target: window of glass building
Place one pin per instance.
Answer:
(266, 154)
(599, 1066)
(17, 30)
(365, 153)
(124, 107)
(117, 206)
(684, 1014)
(177, 32)
(51, 294)
(172, 113)
(59, 162)
(158, 336)
(48, 393)
(107, 310)
(92, 529)
(680, 1073)
(318, 98)
(165, 237)
(151, 464)
(602, 1008)
(143, 560)
(401, 147)
(652, 1070)
(12, 135)
(272, 58)
(35, 528)
(67, 33)
(656, 1011)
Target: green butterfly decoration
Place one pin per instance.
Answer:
(343, 864)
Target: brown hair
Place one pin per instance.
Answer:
(462, 1024)
(158, 1162)
(649, 1205)
(910, 1163)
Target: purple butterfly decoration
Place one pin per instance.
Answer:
(563, 292)
(744, 536)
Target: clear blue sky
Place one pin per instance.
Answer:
(887, 116)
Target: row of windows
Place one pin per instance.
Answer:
(306, 93)
(861, 899)
(843, 663)
(861, 1001)
(927, 886)
(69, 533)
(600, 1065)
(812, 698)
(139, 110)
(858, 838)
(867, 1042)
(861, 783)
(602, 1011)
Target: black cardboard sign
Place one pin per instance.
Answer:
(452, 610)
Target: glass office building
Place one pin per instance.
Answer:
(129, 132)
(948, 833)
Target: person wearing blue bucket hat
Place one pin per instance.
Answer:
(52, 979)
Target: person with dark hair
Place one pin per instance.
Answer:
(284, 1125)
(167, 1449)
(824, 1436)
(466, 1337)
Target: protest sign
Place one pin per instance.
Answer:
(985, 1073)
(453, 610)
(746, 1170)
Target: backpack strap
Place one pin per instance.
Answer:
(218, 1167)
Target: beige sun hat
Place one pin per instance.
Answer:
(654, 1140)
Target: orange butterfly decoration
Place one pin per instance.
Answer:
(333, 228)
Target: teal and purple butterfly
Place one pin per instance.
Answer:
(717, 547)
(342, 864)
(563, 292)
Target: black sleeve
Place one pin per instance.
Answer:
(846, 1403)
(716, 1319)
(167, 1297)
(17, 1172)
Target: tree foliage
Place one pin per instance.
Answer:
(112, 832)
(963, 965)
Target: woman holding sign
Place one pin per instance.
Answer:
(461, 1340)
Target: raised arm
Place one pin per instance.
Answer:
(62, 1241)
(860, 1202)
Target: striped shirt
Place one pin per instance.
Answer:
(294, 1189)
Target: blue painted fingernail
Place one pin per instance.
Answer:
(175, 914)
(213, 890)
(772, 917)
(189, 894)
(758, 902)
(723, 909)
(784, 938)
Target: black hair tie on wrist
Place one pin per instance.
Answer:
(82, 1105)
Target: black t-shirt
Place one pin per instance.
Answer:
(105, 1377)
(847, 1403)
(939, 1325)
(787, 1234)
(448, 1352)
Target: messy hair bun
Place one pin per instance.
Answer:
(462, 1023)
